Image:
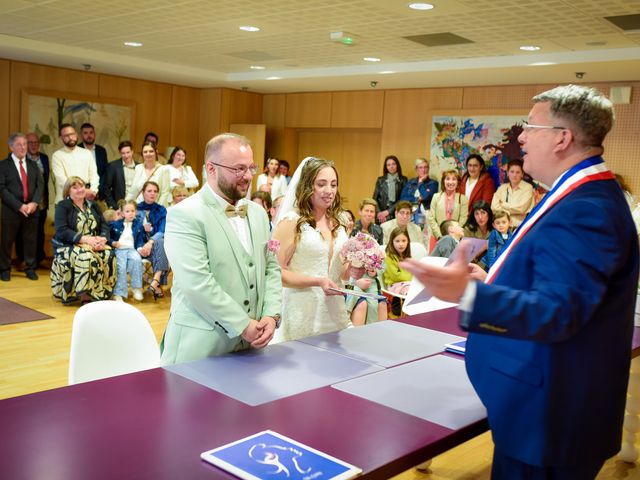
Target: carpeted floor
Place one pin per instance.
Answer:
(11, 312)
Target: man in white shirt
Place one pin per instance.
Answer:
(73, 161)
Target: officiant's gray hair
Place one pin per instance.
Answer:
(214, 146)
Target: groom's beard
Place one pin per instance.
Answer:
(234, 191)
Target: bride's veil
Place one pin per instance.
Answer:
(289, 201)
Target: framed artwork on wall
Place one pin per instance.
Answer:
(454, 135)
(44, 111)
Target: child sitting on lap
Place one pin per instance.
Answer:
(127, 235)
(366, 310)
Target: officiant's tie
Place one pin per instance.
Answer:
(240, 211)
(25, 184)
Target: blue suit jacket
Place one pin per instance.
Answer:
(550, 346)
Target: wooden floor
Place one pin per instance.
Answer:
(34, 356)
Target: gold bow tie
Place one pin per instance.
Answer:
(232, 211)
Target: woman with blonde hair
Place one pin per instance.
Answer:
(84, 266)
(448, 204)
(310, 237)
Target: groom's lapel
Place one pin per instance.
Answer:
(258, 242)
(229, 233)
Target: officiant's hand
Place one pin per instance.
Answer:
(447, 283)
(326, 284)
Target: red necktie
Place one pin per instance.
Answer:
(25, 185)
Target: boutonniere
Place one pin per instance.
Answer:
(273, 246)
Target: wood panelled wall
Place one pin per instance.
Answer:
(179, 115)
(302, 124)
(359, 128)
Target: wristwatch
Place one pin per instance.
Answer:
(276, 317)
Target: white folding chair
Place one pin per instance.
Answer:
(110, 338)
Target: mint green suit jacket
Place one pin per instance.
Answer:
(210, 304)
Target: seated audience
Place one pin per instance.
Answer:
(84, 266)
(263, 199)
(419, 191)
(348, 219)
(178, 194)
(388, 188)
(479, 222)
(127, 236)
(452, 234)
(150, 170)
(365, 310)
(273, 211)
(180, 174)
(270, 180)
(515, 196)
(498, 237)
(154, 217)
(403, 215)
(476, 183)
(366, 224)
(397, 279)
(447, 204)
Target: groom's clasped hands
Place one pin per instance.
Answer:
(259, 333)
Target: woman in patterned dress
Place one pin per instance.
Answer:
(84, 266)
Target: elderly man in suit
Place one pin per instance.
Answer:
(551, 323)
(120, 175)
(227, 285)
(21, 187)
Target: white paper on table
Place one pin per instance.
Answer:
(419, 300)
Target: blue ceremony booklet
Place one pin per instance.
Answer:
(270, 455)
(456, 347)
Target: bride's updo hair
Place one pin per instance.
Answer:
(304, 192)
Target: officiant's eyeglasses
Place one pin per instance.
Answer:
(531, 126)
(239, 171)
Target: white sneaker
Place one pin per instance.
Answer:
(117, 298)
(137, 294)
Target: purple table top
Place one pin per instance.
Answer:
(155, 424)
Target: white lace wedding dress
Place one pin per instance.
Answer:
(308, 311)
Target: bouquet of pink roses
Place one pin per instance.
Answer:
(363, 253)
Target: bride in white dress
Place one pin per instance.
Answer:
(311, 237)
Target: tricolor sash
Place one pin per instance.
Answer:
(590, 170)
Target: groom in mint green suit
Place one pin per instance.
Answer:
(226, 293)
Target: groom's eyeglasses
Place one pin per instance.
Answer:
(239, 171)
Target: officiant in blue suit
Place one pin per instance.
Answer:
(227, 286)
(551, 323)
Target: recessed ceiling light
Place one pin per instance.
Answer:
(530, 48)
(371, 59)
(386, 72)
(273, 78)
(133, 44)
(420, 6)
(249, 28)
(257, 67)
(541, 64)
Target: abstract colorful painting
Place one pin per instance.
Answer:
(455, 136)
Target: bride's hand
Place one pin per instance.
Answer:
(326, 284)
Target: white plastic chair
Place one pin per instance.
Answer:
(418, 250)
(110, 338)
